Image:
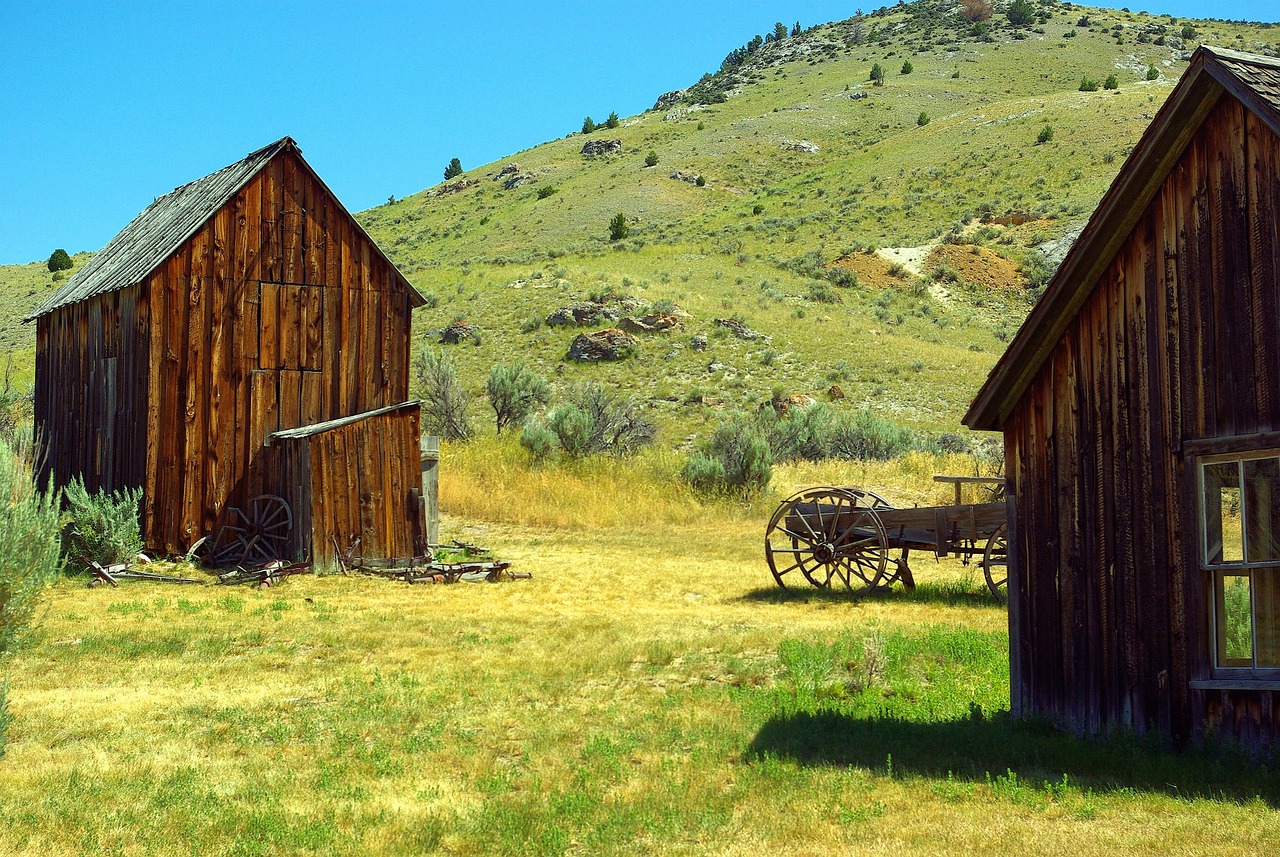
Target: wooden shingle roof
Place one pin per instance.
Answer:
(1254, 81)
(163, 227)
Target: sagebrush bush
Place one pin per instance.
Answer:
(102, 526)
(820, 431)
(514, 391)
(445, 402)
(29, 555)
(868, 437)
(735, 459)
(593, 422)
(538, 439)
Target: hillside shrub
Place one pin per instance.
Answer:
(736, 459)
(1088, 84)
(923, 119)
(29, 556)
(1045, 135)
(59, 260)
(1020, 13)
(651, 159)
(877, 74)
(102, 526)
(546, 191)
(514, 391)
(1152, 72)
(444, 400)
(868, 437)
(821, 432)
(975, 10)
(594, 422)
(453, 170)
(1112, 82)
(907, 67)
(618, 227)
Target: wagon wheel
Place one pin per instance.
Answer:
(258, 534)
(995, 564)
(826, 534)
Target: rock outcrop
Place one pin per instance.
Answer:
(602, 147)
(459, 331)
(608, 344)
(739, 329)
(582, 313)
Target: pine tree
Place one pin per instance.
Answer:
(612, 121)
(877, 75)
(618, 228)
(795, 31)
(907, 67)
(588, 125)
(779, 30)
(453, 170)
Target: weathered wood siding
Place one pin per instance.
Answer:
(91, 363)
(1179, 341)
(276, 313)
(357, 481)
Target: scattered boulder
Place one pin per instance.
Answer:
(507, 171)
(784, 405)
(455, 186)
(517, 180)
(740, 330)
(691, 178)
(857, 96)
(602, 147)
(608, 344)
(581, 313)
(652, 323)
(834, 393)
(699, 342)
(669, 99)
(459, 331)
(800, 146)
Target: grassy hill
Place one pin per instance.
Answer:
(887, 239)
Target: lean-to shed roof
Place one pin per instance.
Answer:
(1253, 80)
(164, 225)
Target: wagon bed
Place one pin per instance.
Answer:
(827, 534)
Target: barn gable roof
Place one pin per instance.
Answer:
(165, 224)
(1254, 81)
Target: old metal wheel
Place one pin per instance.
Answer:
(828, 534)
(995, 564)
(257, 534)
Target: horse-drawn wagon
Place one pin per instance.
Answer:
(827, 534)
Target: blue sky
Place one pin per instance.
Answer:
(105, 106)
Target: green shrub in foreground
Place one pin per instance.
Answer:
(102, 526)
(592, 422)
(514, 391)
(29, 554)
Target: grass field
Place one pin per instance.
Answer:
(648, 691)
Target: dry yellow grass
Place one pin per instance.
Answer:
(621, 701)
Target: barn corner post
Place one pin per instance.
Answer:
(229, 311)
(1157, 455)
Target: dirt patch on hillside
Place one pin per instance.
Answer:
(977, 265)
(872, 269)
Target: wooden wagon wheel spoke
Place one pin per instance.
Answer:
(995, 564)
(258, 535)
(827, 534)
(795, 539)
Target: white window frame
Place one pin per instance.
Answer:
(1211, 572)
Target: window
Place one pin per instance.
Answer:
(1240, 553)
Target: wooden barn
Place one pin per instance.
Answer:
(1140, 406)
(241, 326)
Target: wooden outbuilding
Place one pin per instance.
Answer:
(230, 311)
(1140, 406)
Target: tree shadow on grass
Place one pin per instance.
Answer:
(949, 594)
(982, 748)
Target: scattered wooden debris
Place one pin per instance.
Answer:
(118, 571)
(264, 575)
(427, 569)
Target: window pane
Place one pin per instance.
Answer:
(1266, 615)
(1224, 534)
(1235, 632)
(1262, 508)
